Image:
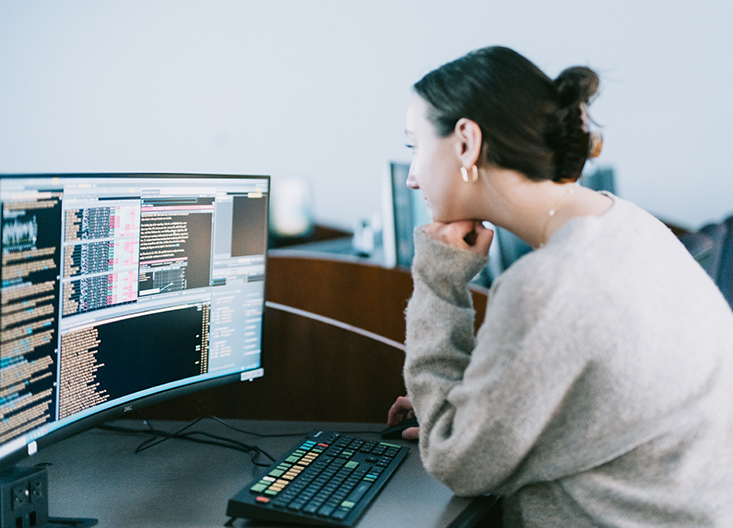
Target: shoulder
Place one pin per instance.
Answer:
(591, 262)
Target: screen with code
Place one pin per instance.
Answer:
(120, 286)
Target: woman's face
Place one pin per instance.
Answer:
(435, 168)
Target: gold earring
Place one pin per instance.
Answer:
(474, 174)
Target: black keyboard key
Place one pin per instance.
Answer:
(359, 492)
(341, 513)
(326, 511)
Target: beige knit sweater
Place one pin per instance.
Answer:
(599, 389)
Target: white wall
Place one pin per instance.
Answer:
(318, 88)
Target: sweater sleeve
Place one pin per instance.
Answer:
(484, 403)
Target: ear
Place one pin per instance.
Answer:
(469, 141)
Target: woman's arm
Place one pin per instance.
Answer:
(482, 404)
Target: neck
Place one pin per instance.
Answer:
(552, 213)
(524, 207)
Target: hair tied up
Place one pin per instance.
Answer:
(576, 85)
(570, 136)
(529, 122)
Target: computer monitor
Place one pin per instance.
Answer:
(120, 290)
(403, 209)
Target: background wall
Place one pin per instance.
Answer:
(319, 88)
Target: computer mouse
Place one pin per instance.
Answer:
(395, 431)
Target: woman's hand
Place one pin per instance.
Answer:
(464, 234)
(400, 411)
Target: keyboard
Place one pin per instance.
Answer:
(328, 479)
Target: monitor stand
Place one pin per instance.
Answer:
(24, 501)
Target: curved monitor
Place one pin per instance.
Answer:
(123, 289)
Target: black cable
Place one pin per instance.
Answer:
(232, 444)
(260, 435)
(251, 433)
(159, 436)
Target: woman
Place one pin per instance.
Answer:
(599, 389)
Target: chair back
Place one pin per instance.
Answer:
(712, 247)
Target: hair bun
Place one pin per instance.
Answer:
(576, 85)
(570, 136)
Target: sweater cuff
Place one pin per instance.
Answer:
(445, 269)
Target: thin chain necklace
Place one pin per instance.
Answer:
(570, 190)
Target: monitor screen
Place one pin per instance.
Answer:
(403, 209)
(124, 289)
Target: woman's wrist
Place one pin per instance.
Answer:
(445, 269)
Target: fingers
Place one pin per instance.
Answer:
(411, 433)
(401, 410)
(464, 234)
(454, 234)
(484, 237)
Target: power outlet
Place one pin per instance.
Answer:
(23, 497)
(20, 496)
(37, 491)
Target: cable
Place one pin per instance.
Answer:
(159, 436)
(260, 435)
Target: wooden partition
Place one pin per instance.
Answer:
(358, 293)
(332, 345)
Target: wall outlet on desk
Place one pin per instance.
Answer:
(23, 498)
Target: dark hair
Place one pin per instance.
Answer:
(529, 122)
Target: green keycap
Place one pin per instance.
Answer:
(352, 464)
(259, 487)
(347, 504)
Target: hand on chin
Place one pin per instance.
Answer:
(470, 235)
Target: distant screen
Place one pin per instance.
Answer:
(116, 287)
(410, 210)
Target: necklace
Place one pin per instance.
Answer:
(570, 190)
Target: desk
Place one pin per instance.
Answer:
(184, 484)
